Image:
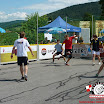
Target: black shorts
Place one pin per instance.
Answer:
(57, 53)
(21, 60)
(66, 51)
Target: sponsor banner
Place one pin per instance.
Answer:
(81, 50)
(45, 51)
(5, 53)
(9, 49)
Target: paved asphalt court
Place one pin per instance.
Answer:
(48, 83)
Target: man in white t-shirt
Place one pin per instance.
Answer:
(22, 56)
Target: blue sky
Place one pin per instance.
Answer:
(18, 9)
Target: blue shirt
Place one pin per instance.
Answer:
(58, 47)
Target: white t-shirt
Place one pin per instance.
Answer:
(21, 45)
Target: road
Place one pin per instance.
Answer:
(48, 83)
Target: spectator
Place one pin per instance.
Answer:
(45, 41)
(80, 40)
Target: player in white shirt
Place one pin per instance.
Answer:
(22, 56)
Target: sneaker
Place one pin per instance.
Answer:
(93, 64)
(96, 75)
(25, 77)
(67, 64)
(22, 78)
(99, 63)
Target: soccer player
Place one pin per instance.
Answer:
(59, 49)
(68, 47)
(21, 45)
(95, 48)
(100, 69)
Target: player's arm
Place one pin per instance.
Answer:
(54, 51)
(62, 50)
(74, 37)
(31, 50)
(12, 52)
(63, 43)
(102, 45)
(91, 43)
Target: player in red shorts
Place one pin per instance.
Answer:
(68, 47)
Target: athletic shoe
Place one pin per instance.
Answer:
(26, 77)
(96, 75)
(93, 64)
(22, 78)
(67, 64)
(99, 63)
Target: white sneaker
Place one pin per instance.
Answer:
(99, 63)
(65, 63)
(93, 64)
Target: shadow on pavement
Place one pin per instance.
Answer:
(82, 65)
(91, 76)
(54, 65)
(10, 80)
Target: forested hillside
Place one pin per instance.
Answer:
(78, 11)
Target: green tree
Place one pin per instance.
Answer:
(30, 27)
(87, 17)
(102, 7)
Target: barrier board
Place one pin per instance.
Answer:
(5, 53)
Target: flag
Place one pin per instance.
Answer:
(88, 88)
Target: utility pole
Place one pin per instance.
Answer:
(37, 41)
(66, 25)
(92, 26)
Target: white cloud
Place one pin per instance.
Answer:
(12, 16)
(53, 5)
(41, 8)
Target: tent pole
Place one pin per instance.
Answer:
(66, 25)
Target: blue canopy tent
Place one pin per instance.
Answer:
(59, 22)
(2, 30)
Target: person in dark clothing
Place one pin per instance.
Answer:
(95, 43)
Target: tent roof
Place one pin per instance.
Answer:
(59, 22)
(2, 30)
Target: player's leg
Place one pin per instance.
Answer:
(19, 61)
(67, 62)
(54, 57)
(93, 60)
(25, 67)
(98, 55)
(62, 56)
(100, 69)
(69, 53)
(26, 70)
(22, 71)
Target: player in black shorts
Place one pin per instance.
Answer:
(59, 49)
(22, 56)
